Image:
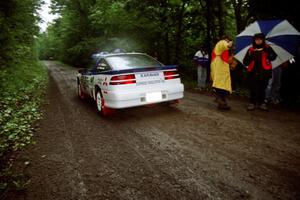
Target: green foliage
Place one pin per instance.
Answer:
(171, 30)
(18, 29)
(21, 89)
(275, 9)
(15, 181)
(23, 81)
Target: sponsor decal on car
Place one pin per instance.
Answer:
(144, 75)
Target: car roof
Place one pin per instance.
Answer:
(121, 54)
(131, 53)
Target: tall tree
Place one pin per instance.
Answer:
(180, 29)
(242, 16)
(18, 22)
(221, 17)
(275, 9)
(172, 30)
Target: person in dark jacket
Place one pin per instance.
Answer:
(258, 59)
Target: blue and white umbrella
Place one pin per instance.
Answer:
(280, 35)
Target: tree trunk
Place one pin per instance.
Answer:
(167, 47)
(208, 32)
(240, 22)
(221, 18)
(208, 25)
(165, 33)
(178, 38)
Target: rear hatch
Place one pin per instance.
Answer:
(145, 76)
(140, 70)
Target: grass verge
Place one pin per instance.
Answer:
(22, 88)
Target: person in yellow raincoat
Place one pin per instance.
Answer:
(220, 71)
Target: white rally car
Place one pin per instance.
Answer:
(127, 80)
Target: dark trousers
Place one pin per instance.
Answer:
(221, 94)
(257, 87)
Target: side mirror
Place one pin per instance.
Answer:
(82, 70)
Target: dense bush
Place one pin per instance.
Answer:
(21, 89)
(170, 30)
(23, 79)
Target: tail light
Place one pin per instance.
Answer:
(123, 79)
(171, 75)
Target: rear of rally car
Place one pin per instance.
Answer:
(143, 84)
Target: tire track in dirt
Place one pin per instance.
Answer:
(131, 145)
(212, 126)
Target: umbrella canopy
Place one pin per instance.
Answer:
(280, 35)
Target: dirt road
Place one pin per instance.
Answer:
(189, 152)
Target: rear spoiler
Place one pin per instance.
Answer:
(125, 71)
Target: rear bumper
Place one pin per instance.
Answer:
(133, 98)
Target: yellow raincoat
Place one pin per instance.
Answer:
(220, 71)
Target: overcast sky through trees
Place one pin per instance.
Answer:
(45, 15)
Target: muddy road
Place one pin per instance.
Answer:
(192, 151)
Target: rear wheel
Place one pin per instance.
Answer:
(101, 108)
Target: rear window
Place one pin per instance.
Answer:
(132, 62)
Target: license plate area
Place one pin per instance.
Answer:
(149, 78)
(153, 97)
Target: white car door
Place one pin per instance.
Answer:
(84, 80)
(87, 80)
(101, 79)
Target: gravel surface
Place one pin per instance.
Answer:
(191, 151)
